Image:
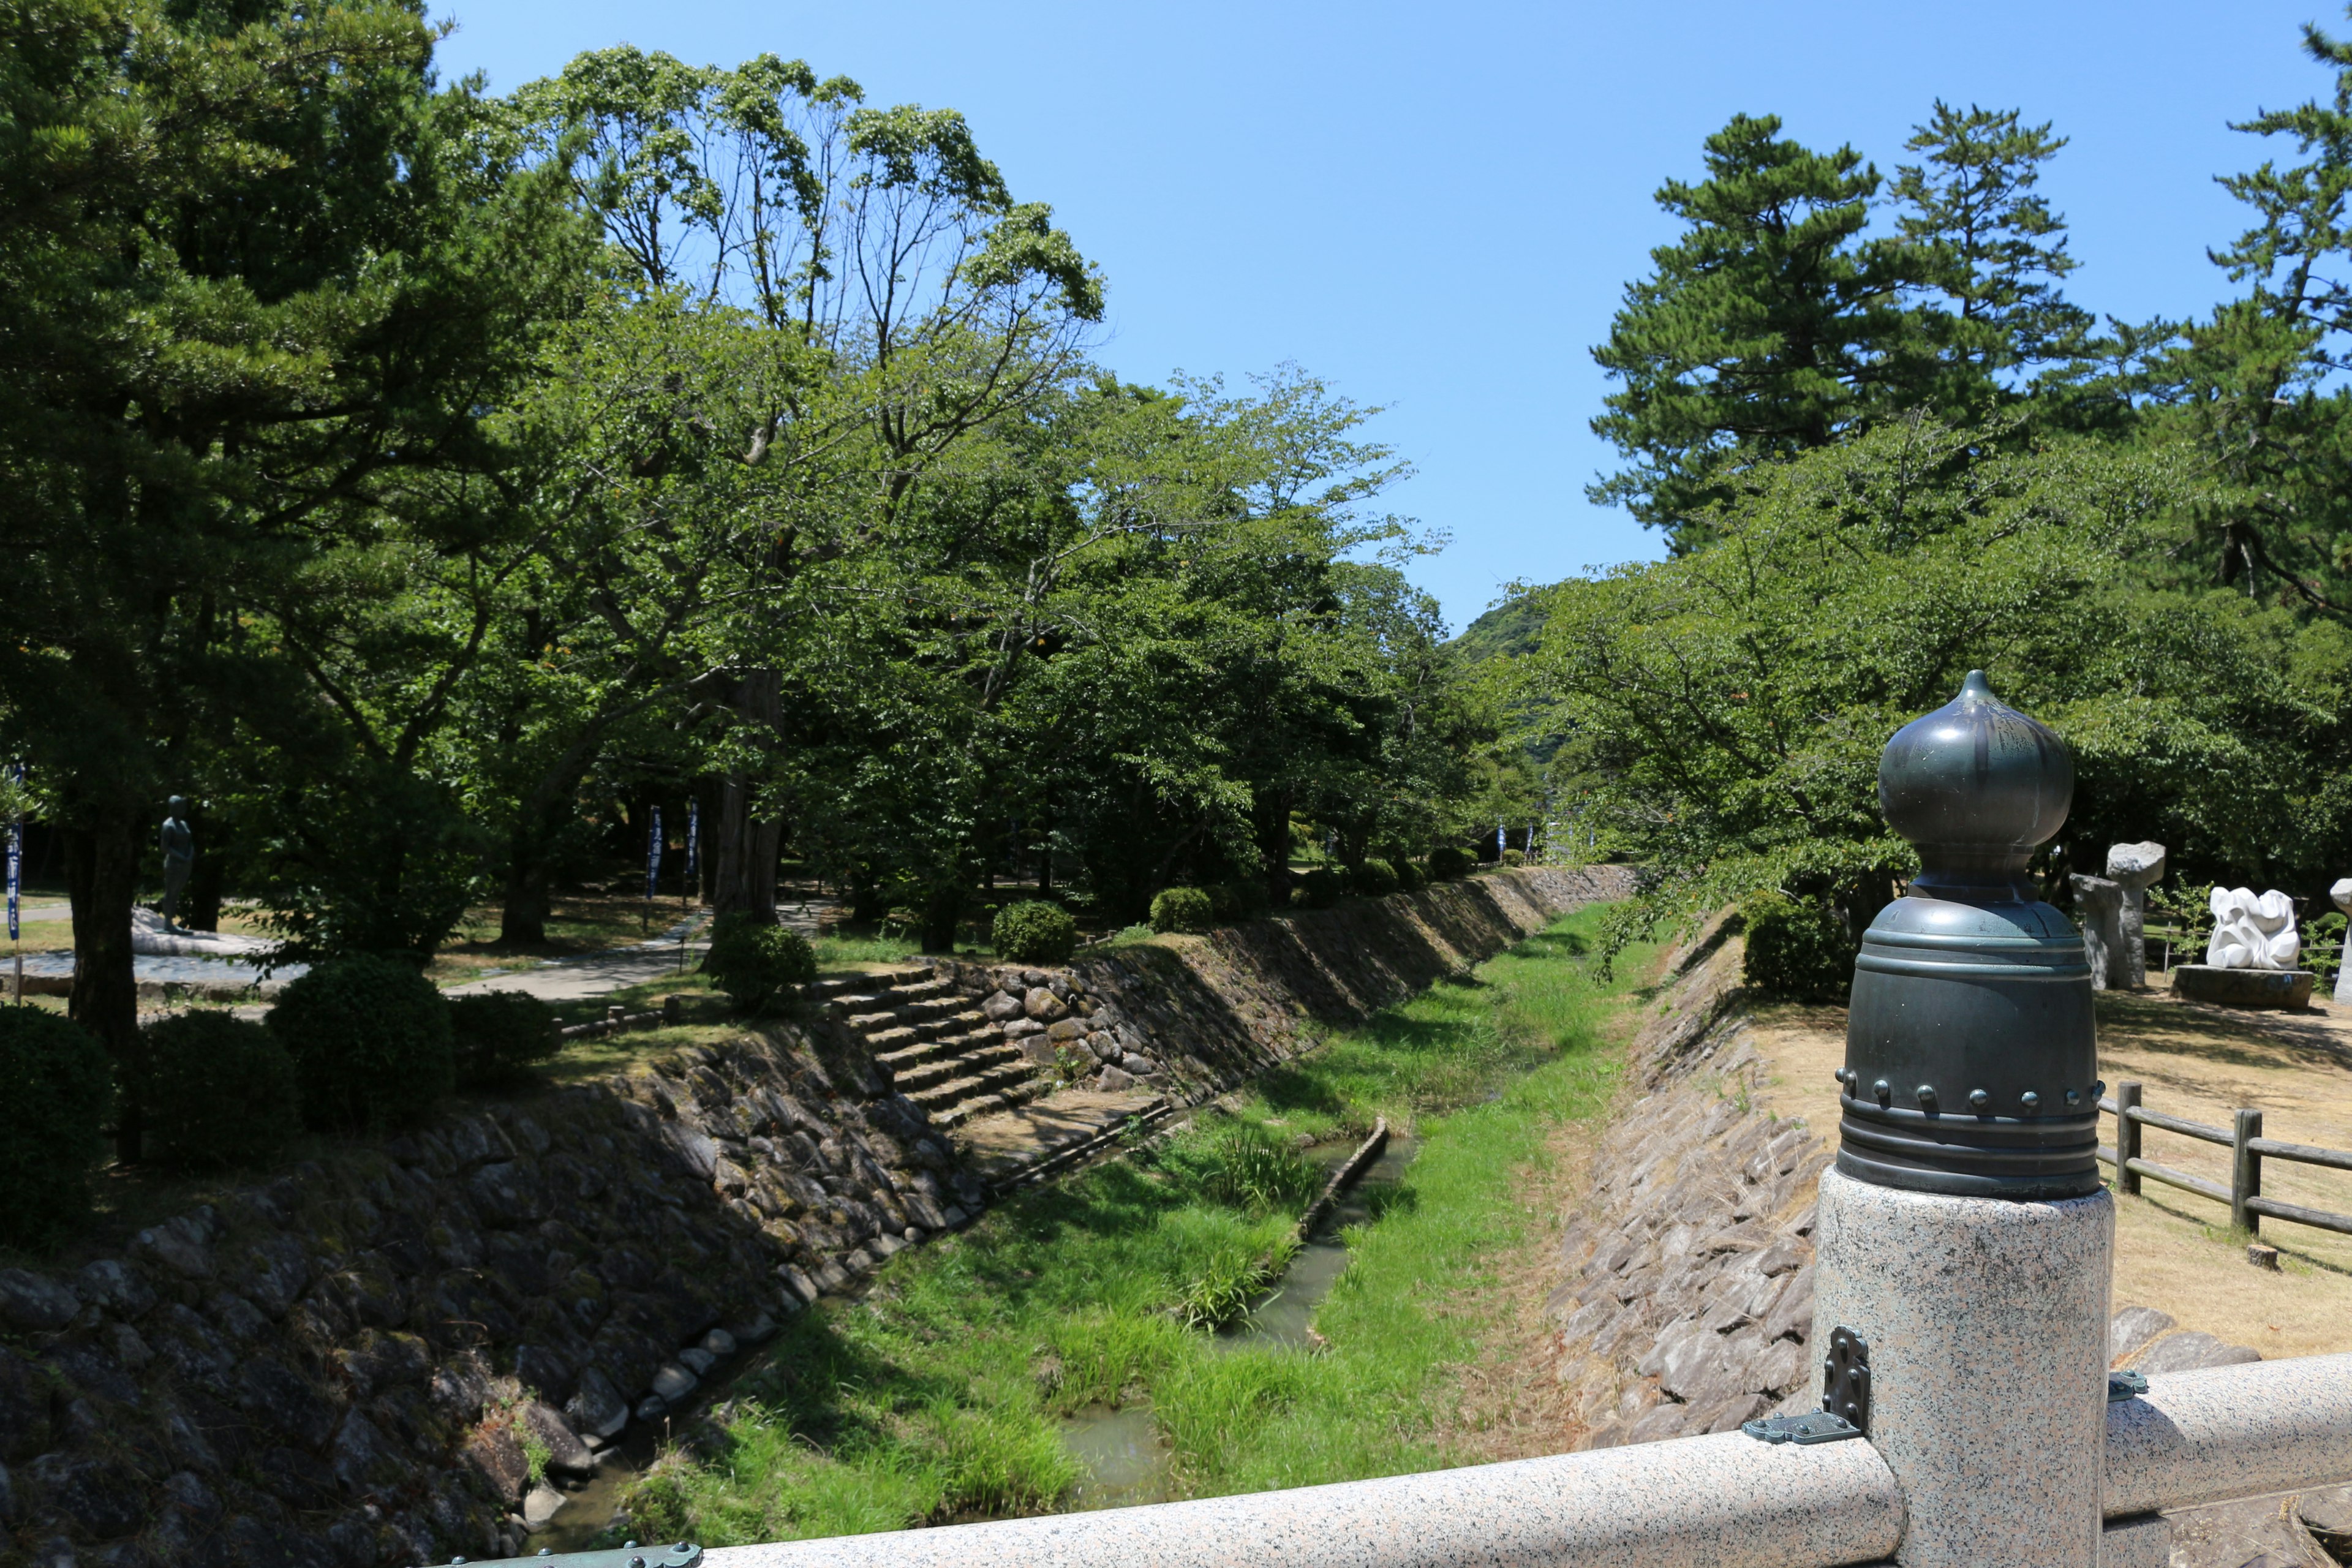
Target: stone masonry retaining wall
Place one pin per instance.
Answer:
(356, 1362)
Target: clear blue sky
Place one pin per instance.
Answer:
(1438, 208)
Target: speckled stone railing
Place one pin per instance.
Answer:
(1723, 1501)
(2231, 1432)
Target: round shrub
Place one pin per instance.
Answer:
(1034, 932)
(370, 1039)
(1182, 909)
(1408, 875)
(1374, 878)
(1515, 856)
(1446, 862)
(499, 1035)
(1319, 889)
(217, 1092)
(754, 960)
(1796, 949)
(55, 1083)
(1239, 900)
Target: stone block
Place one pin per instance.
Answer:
(1001, 1007)
(1041, 1005)
(33, 1301)
(2132, 1329)
(1111, 1080)
(596, 1407)
(2193, 1350)
(2259, 988)
(1066, 1030)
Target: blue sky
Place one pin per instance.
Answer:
(1438, 208)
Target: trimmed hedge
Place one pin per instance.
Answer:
(1034, 932)
(1319, 889)
(55, 1085)
(499, 1035)
(1515, 856)
(1233, 902)
(370, 1039)
(1446, 863)
(217, 1092)
(1796, 949)
(1374, 878)
(754, 960)
(1182, 909)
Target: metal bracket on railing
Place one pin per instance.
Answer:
(2125, 1386)
(1814, 1426)
(1845, 1399)
(1845, 1378)
(682, 1554)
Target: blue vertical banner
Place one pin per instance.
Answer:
(16, 859)
(693, 845)
(653, 854)
(1499, 845)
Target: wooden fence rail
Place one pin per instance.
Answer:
(2248, 1149)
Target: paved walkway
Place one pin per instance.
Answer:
(599, 973)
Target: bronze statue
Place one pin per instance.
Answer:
(179, 856)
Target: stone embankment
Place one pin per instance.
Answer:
(411, 1351)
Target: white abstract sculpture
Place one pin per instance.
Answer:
(2342, 894)
(2252, 933)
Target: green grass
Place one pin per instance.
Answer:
(937, 1398)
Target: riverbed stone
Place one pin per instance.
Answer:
(33, 1301)
(595, 1406)
(674, 1382)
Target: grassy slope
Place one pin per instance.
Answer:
(937, 1398)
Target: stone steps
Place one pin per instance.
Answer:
(941, 1053)
(927, 1075)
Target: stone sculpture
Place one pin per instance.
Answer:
(2250, 932)
(2135, 867)
(2099, 910)
(2342, 894)
(179, 844)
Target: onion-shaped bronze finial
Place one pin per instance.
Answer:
(1971, 1048)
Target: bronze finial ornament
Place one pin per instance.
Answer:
(1971, 1051)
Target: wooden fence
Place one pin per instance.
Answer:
(2248, 1149)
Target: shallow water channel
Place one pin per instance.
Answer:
(1125, 1460)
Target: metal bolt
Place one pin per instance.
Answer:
(2030, 1101)
(1884, 1091)
(1926, 1094)
(2073, 1097)
(1979, 1099)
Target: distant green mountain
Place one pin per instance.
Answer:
(1507, 631)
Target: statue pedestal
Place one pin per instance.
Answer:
(2242, 987)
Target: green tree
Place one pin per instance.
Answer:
(1992, 248)
(1772, 326)
(260, 278)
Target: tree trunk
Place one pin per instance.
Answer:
(744, 852)
(941, 910)
(102, 880)
(1274, 845)
(522, 917)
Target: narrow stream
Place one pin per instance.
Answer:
(1126, 1460)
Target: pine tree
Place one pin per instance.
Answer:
(1771, 327)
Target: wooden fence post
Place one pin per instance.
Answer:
(2127, 1138)
(2245, 1171)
